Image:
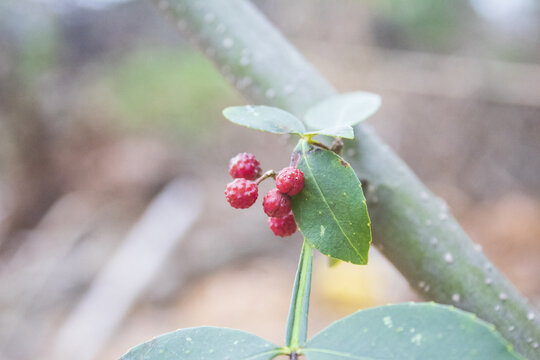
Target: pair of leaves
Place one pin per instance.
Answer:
(334, 116)
(422, 331)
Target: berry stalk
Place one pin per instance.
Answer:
(266, 175)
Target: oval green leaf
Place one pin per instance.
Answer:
(265, 118)
(331, 210)
(423, 331)
(205, 343)
(344, 109)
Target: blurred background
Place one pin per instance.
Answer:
(114, 157)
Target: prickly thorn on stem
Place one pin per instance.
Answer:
(337, 145)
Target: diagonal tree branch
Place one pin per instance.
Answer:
(411, 226)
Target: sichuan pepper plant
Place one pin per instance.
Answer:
(413, 228)
(329, 207)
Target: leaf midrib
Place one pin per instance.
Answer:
(326, 203)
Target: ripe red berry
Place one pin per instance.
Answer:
(276, 204)
(245, 166)
(241, 193)
(290, 181)
(283, 226)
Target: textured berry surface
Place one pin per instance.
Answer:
(283, 226)
(290, 181)
(241, 193)
(276, 204)
(245, 166)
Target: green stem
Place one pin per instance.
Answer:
(410, 225)
(298, 312)
(266, 175)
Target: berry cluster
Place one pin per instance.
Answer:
(242, 192)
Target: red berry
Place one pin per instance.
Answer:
(241, 193)
(276, 204)
(283, 226)
(290, 181)
(245, 166)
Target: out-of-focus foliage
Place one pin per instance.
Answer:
(38, 54)
(170, 89)
(428, 24)
(30, 41)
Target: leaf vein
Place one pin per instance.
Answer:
(337, 353)
(326, 203)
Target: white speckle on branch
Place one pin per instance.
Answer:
(448, 258)
(270, 93)
(228, 42)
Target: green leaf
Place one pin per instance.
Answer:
(265, 118)
(205, 343)
(423, 331)
(345, 109)
(344, 131)
(298, 312)
(331, 210)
